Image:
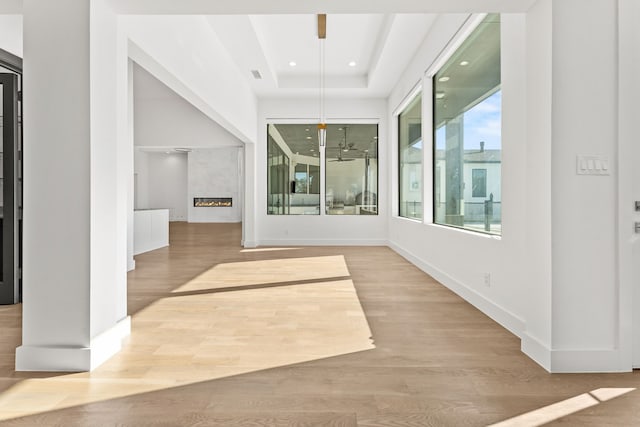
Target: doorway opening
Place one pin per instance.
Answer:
(10, 178)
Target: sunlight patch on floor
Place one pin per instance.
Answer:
(235, 318)
(265, 272)
(561, 409)
(268, 250)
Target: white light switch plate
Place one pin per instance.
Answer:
(593, 165)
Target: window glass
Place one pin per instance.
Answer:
(479, 182)
(314, 179)
(467, 133)
(352, 169)
(410, 156)
(293, 165)
(301, 179)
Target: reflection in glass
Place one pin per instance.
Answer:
(467, 127)
(352, 169)
(2, 181)
(293, 170)
(410, 155)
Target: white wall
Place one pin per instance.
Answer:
(629, 178)
(167, 177)
(457, 258)
(319, 229)
(168, 46)
(141, 179)
(215, 172)
(165, 119)
(554, 271)
(585, 101)
(11, 34)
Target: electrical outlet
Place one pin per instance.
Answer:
(487, 279)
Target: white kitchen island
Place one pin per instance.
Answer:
(150, 229)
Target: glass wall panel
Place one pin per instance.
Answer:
(352, 169)
(314, 180)
(410, 157)
(467, 133)
(293, 166)
(10, 187)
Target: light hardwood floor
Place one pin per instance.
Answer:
(303, 336)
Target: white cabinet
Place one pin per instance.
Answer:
(150, 230)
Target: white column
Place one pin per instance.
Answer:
(536, 339)
(249, 206)
(72, 278)
(629, 179)
(128, 154)
(585, 304)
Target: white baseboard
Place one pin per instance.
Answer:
(536, 350)
(215, 221)
(249, 244)
(508, 320)
(109, 342)
(74, 359)
(588, 361)
(324, 242)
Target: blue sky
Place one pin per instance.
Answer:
(482, 123)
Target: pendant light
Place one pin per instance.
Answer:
(322, 35)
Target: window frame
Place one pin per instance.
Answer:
(409, 102)
(378, 122)
(465, 31)
(326, 159)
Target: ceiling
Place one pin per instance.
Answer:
(379, 36)
(459, 87)
(221, 7)
(364, 53)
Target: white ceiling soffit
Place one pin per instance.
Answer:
(364, 53)
(10, 7)
(252, 7)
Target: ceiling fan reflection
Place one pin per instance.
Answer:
(341, 148)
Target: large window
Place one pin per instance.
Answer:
(293, 165)
(410, 156)
(352, 169)
(467, 126)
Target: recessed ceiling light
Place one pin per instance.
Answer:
(439, 95)
(352, 64)
(307, 129)
(292, 63)
(312, 150)
(444, 79)
(375, 137)
(464, 63)
(308, 137)
(339, 128)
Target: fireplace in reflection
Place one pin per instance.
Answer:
(212, 202)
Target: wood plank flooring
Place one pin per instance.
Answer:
(303, 336)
